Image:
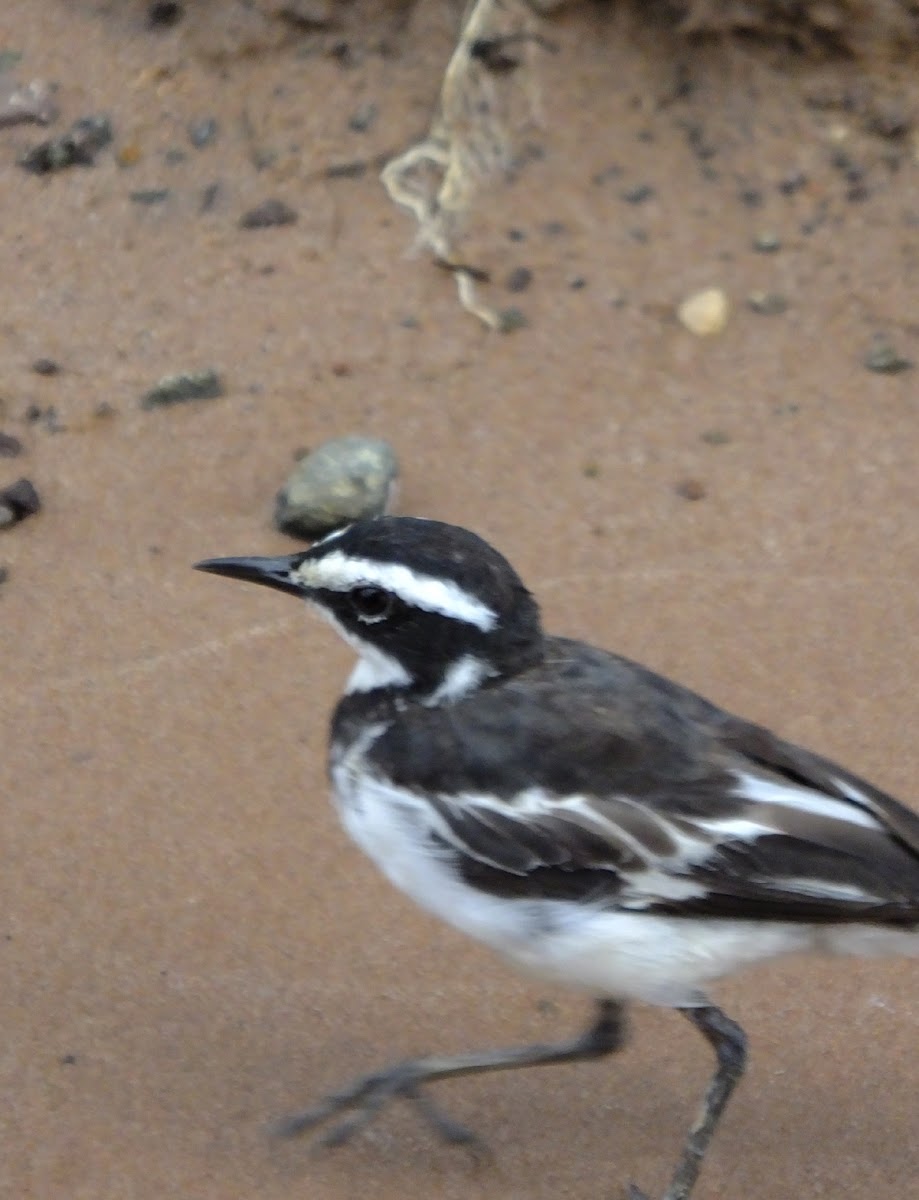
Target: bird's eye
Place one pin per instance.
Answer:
(371, 603)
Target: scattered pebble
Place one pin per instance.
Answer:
(885, 360)
(164, 14)
(577, 283)
(767, 242)
(46, 366)
(705, 313)
(715, 437)
(150, 196)
(4, 574)
(268, 213)
(174, 156)
(362, 118)
(519, 279)
(511, 319)
(10, 447)
(201, 133)
(613, 171)
(35, 102)
(793, 182)
(767, 304)
(343, 480)
(188, 385)
(18, 501)
(638, 195)
(516, 235)
(691, 489)
(77, 147)
(752, 197)
(209, 196)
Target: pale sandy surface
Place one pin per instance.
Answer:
(190, 947)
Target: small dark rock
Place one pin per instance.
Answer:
(691, 489)
(189, 385)
(355, 169)
(751, 197)
(46, 366)
(343, 480)
(792, 183)
(67, 1060)
(512, 319)
(201, 133)
(613, 171)
(361, 120)
(164, 14)
(4, 574)
(77, 147)
(577, 283)
(10, 447)
(174, 156)
(516, 235)
(715, 437)
(209, 197)
(767, 242)
(767, 304)
(519, 279)
(268, 213)
(885, 360)
(18, 501)
(150, 196)
(638, 194)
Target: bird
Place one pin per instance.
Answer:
(598, 825)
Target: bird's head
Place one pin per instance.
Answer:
(427, 606)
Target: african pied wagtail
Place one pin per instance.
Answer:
(597, 824)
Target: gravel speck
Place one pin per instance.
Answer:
(767, 242)
(638, 194)
(77, 147)
(46, 366)
(767, 304)
(10, 447)
(203, 131)
(705, 313)
(268, 213)
(188, 385)
(691, 489)
(519, 279)
(885, 360)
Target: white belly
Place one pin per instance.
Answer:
(657, 959)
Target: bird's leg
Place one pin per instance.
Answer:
(364, 1098)
(730, 1044)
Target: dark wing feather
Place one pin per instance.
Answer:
(592, 778)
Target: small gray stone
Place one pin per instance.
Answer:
(767, 242)
(767, 304)
(202, 132)
(884, 359)
(77, 147)
(18, 501)
(189, 385)
(267, 214)
(343, 480)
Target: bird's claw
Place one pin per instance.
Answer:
(364, 1099)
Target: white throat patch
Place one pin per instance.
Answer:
(339, 572)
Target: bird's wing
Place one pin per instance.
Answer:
(629, 791)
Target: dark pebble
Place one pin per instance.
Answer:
(164, 15)
(67, 1060)
(715, 437)
(638, 194)
(174, 156)
(202, 133)
(555, 228)
(4, 574)
(511, 319)
(46, 366)
(691, 489)
(885, 360)
(792, 183)
(18, 501)
(577, 283)
(519, 279)
(150, 196)
(516, 235)
(268, 213)
(77, 147)
(209, 197)
(190, 385)
(767, 304)
(750, 196)
(362, 118)
(10, 447)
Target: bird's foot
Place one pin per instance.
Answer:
(363, 1100)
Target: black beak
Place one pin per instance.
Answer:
(271, 572)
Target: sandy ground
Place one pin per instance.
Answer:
(190, 947)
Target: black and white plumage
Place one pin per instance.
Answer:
(595, 823)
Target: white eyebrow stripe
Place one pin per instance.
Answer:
(338, 572)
